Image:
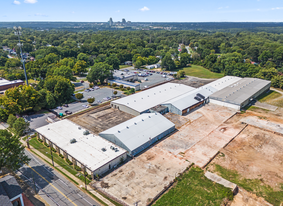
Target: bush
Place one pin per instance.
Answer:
(77, 168)
(47, 145)
(62, 156)
(98, 83)
(53, 150)
(132, 90)
(114, 85)
(40, 140)
(89, 177)
(128, 88)
(115, 92)
(109, 84)
(91, 100)
(121, 86)
(123, 89)
(79, 96)
(69, 162)
(91, 85)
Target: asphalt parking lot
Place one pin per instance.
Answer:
(97, 94)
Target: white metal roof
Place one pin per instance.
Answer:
(139, 130)
(149, 98)
(87, 149)
(7, 82)
(186, 100)
(223, 82)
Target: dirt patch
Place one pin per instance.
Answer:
(143, 177)
(254, 154)
(193, 81)
(178, 120)
(101, 119)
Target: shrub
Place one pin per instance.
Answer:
(77, 168)
(121, 86)
(98, 83)
(115, 92)
(40, 140)
(114, 85)
(89, 177)
(123, 89)
(128, 88)
(53, 150)
(62, 156)
(69, 162)
(47, 145)
(79, 96)
(132, 90)
(91, 100)
(91, 85)
(109, 84)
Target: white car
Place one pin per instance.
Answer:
(60, 108)
(85, 106)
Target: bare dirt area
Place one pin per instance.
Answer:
(202, 122)
(244, 198)
(254, 154)
(144, 177)
(193, 81)
(101, 119)
(178, 120)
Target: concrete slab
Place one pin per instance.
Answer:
(266, 106)
(215, 178)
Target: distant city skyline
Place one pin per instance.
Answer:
(145, 11)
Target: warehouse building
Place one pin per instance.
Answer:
(189, 101)
(197, 97)
(143, 101)
(90, 152)
(139, 133)
(6, 84)
(136, 86)
(241, 93)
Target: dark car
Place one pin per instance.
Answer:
(82, 81)
(65, 105)
(68, 112)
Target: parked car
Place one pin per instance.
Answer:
(98, 101)
(82, 81)
(91, 89)
(87, 90)
(106, 98)
(60, 108)
(68, 112)
(85, 106)
(164, 76)
(65, 105)
(96, 87)
(145, 79)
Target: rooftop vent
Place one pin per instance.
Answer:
(103, 149)
(127, 127)
(119, 131)
(72, 141)
(79, 128)
(86, 132)
(135, 123)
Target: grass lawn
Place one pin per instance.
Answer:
(123, 66)
(199, 71)
(46, 151)
(255, 186)
(193, 188)
(266, 97)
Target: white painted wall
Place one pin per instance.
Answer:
(224, 104)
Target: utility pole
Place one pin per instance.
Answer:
(28, 142)
(50, 145)
(18, 33)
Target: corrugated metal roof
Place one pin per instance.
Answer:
(147, 99)
(139, 130)
(186, 100)
(223, 82)
(240, 91)
(87, 149)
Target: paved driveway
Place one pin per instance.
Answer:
(38, 120)
(97, 94)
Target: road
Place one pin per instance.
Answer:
(55, 189)
(38, 120)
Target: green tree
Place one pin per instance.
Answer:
(184, 59)
(167, 62)
(79, 96)
(11, 150)
(11, 120)
(13, 63)
(115, 92)
(51, 58)
(267, 73)
(91, 100)
(113, 61)
(80, 67)
(138, 64)
(64, 71)
(50, 100)
(99, 72)
(83, 57)
(20, 126)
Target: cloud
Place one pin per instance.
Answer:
(277, 8)
(16, 2)
(73, 12)
(39, 14)
(30, 1)
(118, 11)
(144, 9)
(220, 8)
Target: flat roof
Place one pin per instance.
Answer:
(223, 82)
(240, 91)
(139, 130)
(122, 74)
(7, 82)
(152, 97)
(87, 149)
(124, 82)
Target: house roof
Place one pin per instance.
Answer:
(240, 91)
(87, 149)
(147, 99)
(9, 188)
(139, 130)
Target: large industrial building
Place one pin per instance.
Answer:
(241, 93)
(139, 133)
(143, 101)
(94, 153)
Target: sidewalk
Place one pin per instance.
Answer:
(81, 184)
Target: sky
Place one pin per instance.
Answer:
(142, 11)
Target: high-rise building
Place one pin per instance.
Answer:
(123, 21)
(110, 22)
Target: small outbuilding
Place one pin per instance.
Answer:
(137, 134)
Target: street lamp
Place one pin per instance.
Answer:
(18, 33)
